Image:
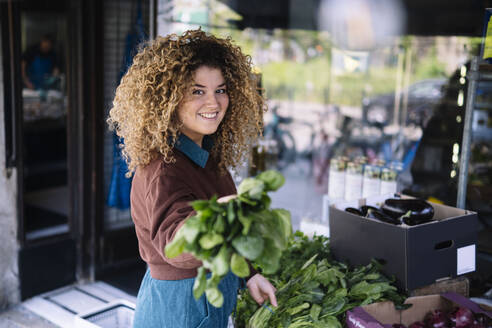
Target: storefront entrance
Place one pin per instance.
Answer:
(59, 83)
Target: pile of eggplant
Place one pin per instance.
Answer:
(398, 211)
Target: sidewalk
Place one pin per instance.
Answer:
(20, 317)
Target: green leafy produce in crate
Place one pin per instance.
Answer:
(315, 291)
(225, 235)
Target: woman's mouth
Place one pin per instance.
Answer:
(209, 116)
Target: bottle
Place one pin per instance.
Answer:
(397, 166)
(371, 183)
(353, 181)
(336, 179)
(388, 181)
(258, 158)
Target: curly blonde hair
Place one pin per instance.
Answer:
(144, 111)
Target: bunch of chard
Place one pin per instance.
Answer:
(224, 236)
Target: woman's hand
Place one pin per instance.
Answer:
(225, 199)
(260, 289)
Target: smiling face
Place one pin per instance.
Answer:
(204, 105)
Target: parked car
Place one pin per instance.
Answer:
(422, 97)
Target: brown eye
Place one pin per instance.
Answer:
(197, 92)
(221, 91)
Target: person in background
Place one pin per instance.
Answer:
(188, 111)
(39, 65)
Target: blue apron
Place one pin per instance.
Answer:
(170, 304)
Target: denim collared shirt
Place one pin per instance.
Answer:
(188, 147)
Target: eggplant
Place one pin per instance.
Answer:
(365, 208)
(354, 211)
(378, 215)
(411, 211)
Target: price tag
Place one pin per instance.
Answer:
(465, 259)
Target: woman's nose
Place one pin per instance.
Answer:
(212, 101)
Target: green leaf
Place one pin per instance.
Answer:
(199, 205)
(285, 222)
(342, 292)
(200, 283)
(272, 179)
(191, 229)
(331, 322)
(205, 214)
(333, 305)
(244, 199)
(250, 246)
(266, 200)
(214, 297)
(175, 248)
(210, 240)
(239, 266)
(219, 225)
(257, 191)
(220, 264)
(308, 262)
(315, 311)
(230, 212)
(246, 221)
(250, 184)
(269, 224)
(363, 289)
(269, 261)
(297, 309)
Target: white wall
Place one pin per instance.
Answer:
(9, 273)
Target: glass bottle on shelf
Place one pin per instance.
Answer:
(388, 181)
(258, 158)
(371, 183)
(353, 181)
(336, 179)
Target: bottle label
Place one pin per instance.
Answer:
(336, 185)
(388, 187)
(353, 186)
(370, 187)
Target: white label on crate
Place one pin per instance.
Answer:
(466, 259)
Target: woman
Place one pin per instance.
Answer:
(187, 110)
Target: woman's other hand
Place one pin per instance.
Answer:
(261, 289)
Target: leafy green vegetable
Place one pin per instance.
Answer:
(272, 181)
(224, 235)
(249, 246)
(239, 266)
(210, 240)
(313, 290)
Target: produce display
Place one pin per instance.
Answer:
(459, 317)
(397, 211)
(225, 235)
(313, 290)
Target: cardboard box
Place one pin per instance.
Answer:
(384, 314)
(418, 255)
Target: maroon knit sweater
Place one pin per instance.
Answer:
(160, 203)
